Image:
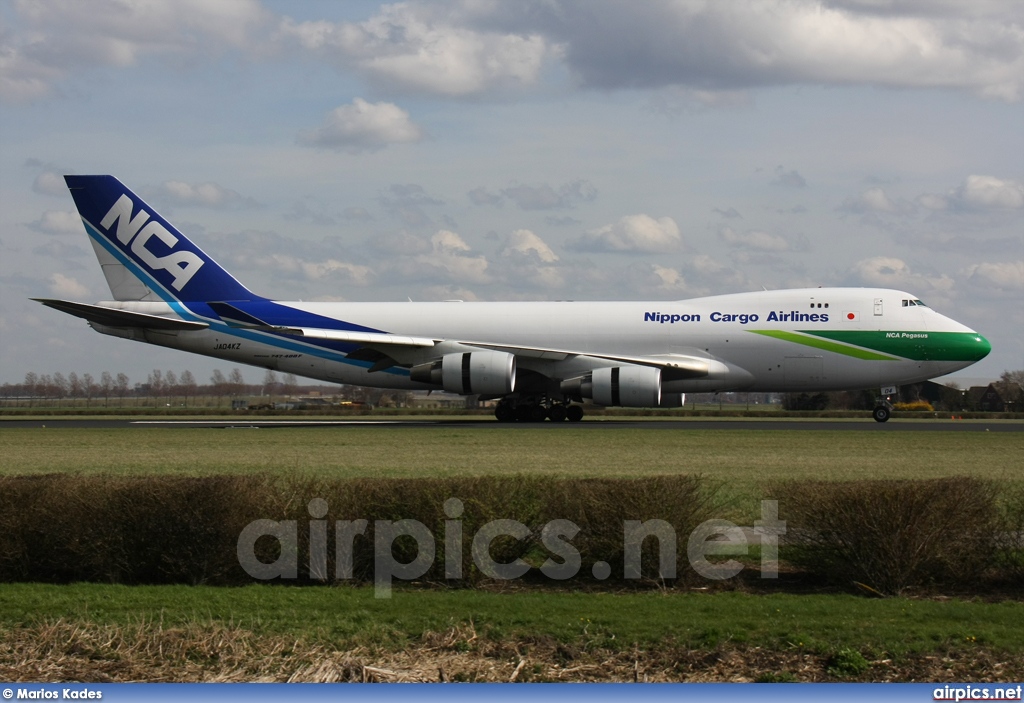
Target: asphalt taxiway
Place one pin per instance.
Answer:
(595, 424)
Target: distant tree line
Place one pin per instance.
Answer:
(170, 388)
(165, 387)
(949, 397)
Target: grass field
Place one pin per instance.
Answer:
(95, 630)
(742, 456)
(744, 460)
(352, 616)
(101, 632)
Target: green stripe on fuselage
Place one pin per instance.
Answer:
(891, 345)
(916, 345)
(809, 341)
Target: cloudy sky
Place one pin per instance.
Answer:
(541, 149)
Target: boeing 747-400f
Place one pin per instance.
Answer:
(538, 359)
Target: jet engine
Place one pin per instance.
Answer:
(483, 372)
(624, 386)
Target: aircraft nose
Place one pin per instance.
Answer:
(980, 349)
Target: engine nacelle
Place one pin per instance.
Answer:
(623, 386)
(672, 400)
(483, 373)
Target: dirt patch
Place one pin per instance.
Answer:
(64, 651)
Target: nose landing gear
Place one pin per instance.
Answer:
(883, 408)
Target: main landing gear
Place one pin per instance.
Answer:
(533, 410)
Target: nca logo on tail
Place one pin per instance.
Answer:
(138, 230)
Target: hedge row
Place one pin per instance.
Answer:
(896, 535)
(60, 528)
(889, 536)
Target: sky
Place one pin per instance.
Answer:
(534, 150)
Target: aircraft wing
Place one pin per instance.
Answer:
(119, 318)
(676, 366)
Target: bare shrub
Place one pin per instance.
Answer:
(482, 499)
(601, 507)
(1010, 547)
(891, 535)
(60, 528)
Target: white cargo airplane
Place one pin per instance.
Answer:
(535, 358)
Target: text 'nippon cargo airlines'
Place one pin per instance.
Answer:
(537, 358)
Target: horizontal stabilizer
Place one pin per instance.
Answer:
(120, 318)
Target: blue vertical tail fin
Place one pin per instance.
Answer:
(142, 255)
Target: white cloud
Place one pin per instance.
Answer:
(50, 183)
(332, 268)
(448, 242)
(890, 272)
(633, 233)
(978, 193)
(203, 195)
(931, 201)
(449, 293)
(523, 242)
(363, 126)
(527, 259)
(325, 269)
(58, 37)
(669, 279)
(753, 239)
(789, 179)
(726, 45)
(405, 46)
(540, 197)
(58, 222)
(876, 200)
(990, 193)
(1007, 276)
(448, 261)
(67, 287)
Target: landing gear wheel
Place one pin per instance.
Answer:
(524, 413)
(505, 413)
(574, 413)
(881, 413)
(538, 413)
(557, 413)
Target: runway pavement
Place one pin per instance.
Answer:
(594, 424)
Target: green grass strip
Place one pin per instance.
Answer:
(352, 616)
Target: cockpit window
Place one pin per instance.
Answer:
(919, 302)
(910, 303)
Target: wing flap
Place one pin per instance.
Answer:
(355, 337)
